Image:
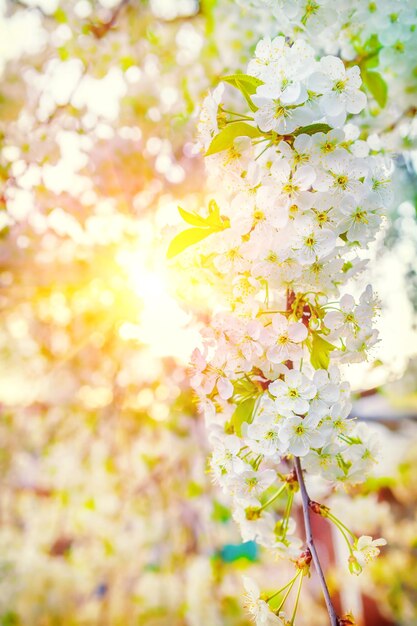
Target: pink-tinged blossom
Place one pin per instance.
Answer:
(285, 339)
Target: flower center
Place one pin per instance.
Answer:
(361, 216)
(322, 217)
(327, 147)
(342, 181)
(289, 188)
(280, 111)
(339, 85)
(310, 241)
(258, 215)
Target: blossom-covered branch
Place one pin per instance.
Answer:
(303, 195)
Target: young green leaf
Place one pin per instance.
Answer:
(312, 129)
(250, 83)
(192, 218)
(214, 210)
(246, 84)
(244, 412)
(188, 238)
(320, 352)
(220, 512)
(377, 86)
(225, 138)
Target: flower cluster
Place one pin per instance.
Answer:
(380, 36)
(304, 197)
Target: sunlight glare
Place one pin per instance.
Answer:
(162, 325)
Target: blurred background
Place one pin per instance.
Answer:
(108, 515)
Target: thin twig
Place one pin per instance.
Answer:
(310, 543)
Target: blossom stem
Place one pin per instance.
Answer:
(287, 593)
(345, 537)
(297, 600)
(243, 117)
(261, 153)
(310, 542)
(337, 521)
(274, 497)
(290, 582)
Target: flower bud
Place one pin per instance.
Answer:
(346, 620)
(319, 509)
(354, 566)
(303, 561)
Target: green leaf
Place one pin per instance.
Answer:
(320, 352)
(192, 218)
(244, 412)
(371, 61)
(246, 84)
(249, 83)
(377, 86)
(312, 129)
(214, 211)
(214, 218)
(188, 238)
(372, 43)
(224, 139)
(10, 618)
(220, 513)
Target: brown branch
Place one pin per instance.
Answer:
(334, 621)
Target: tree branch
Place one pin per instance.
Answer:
(310, 542)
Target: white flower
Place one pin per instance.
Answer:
(360, 219)
(325, 144)
(253, 529)
(335, 420)
(323, 461)
(344, 321)
(207, 125)
(293, 393)
(300, 434)
(311, 242)
(224, 458)
(262, 436)
(292, 183)
(327, 392)
(340, 89)
(256, 606)
(285, 339)
(249, 485)
(272, 114)
(366, 549)
(250, 345)
(267, 54)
